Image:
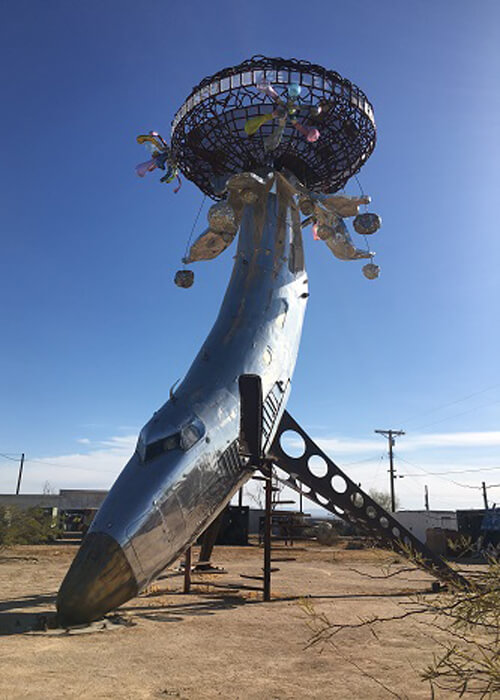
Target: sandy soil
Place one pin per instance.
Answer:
(218, 641)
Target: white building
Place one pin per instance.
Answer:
(419, 521)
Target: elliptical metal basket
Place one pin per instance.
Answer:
(209, 141)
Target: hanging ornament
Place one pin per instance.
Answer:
(208, 245)
(371, 271)
(367, 223)
(282, 112)
(324, 232)
(294, 90)
(221, 217)
(161, 158)
(254, 123)
(336, 236)
(222, 228)
(184, 278)
(248, 196)
(306, 205)
(344, 205)
(310, 132)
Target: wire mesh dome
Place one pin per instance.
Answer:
(209, 140)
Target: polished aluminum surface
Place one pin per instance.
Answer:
(186, 466)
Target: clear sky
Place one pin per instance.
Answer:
(93, 330)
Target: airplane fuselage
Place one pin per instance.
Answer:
(186, 466)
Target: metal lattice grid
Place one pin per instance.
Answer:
(209, 141)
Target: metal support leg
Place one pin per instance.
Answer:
(267, 533)
(208, 542)
(187, 571)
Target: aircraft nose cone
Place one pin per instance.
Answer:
(99, 580)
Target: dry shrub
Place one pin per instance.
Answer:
(30, 526)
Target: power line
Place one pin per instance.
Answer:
(458, 471)
(465, 486)
(377, 470)
(67, 466)
(450, 403)
(60, 466)
(12, 459)
(457, 415)
(362, 461)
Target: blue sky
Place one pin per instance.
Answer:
(93, 330)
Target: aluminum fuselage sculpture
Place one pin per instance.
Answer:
(186, 466)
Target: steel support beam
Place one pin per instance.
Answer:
(327, 485)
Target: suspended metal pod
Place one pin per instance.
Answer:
(367, 223)
(371, 271)
(184, 278)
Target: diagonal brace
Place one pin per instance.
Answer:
(332, 489)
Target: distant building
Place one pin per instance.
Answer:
(65, 500)
(419, 521)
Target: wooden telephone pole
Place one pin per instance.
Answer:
(20, 475)
(485, 495)
(390, 434)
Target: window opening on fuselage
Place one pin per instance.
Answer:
(188, 436)
(157, 448)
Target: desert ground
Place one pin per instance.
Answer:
(219, 641)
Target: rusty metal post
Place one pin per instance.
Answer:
(187, 571)
(267, 533)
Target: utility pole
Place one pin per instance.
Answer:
(390, 434)
(426, 497)
(485, 496)
(20, 475)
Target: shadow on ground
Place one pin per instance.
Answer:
(13, 620)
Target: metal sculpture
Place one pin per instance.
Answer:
(186, 466)
(323, 482)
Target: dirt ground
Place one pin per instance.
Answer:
(220, 641)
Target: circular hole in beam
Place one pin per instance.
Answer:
(357, 500)
(322, 499)
(384, 522)
(338, 510)
(317, 466)
(395, 531)
(371, 512)
(292, 444)
(281, 474)
(339, 484)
